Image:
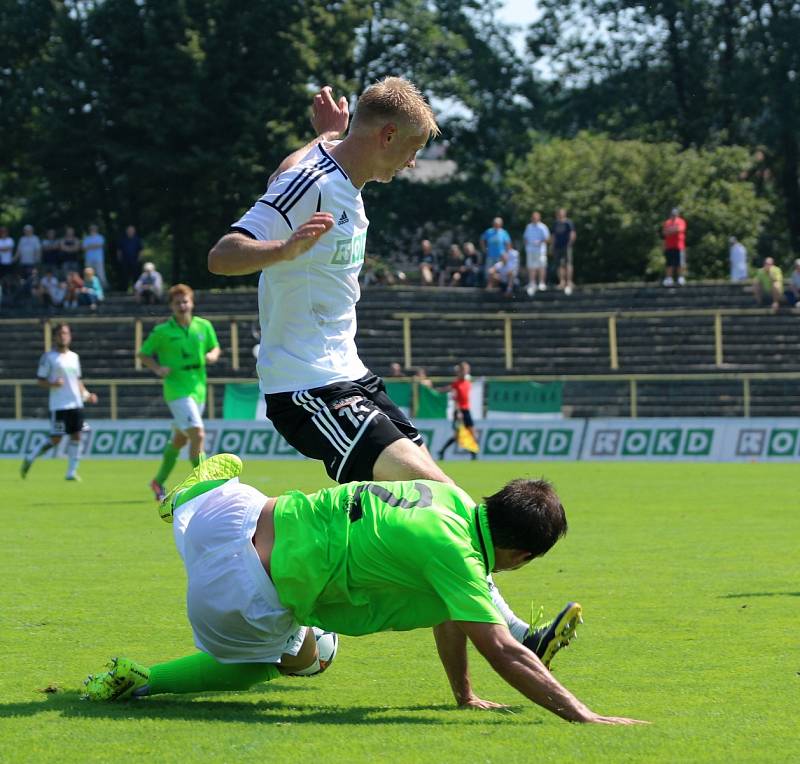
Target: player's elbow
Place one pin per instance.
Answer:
(216, 260)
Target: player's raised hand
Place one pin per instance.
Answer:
(307, 235)
(328, 117)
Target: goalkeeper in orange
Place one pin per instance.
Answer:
(463, 426)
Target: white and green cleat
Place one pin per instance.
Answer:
(216, 469)
(124, 679)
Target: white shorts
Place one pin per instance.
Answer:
(535, 258)
(232, 604)
(186, 413)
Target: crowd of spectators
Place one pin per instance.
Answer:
(68, 271)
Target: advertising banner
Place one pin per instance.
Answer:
(499, 439)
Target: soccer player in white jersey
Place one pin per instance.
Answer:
(60, 373)
(306, 236)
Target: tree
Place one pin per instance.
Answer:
(618, 193)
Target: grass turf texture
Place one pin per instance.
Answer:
(687, 574)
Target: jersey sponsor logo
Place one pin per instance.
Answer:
(350, 251)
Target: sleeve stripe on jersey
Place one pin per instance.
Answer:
(338, 166)
(280, 212)
(243, 231)
(299, 183)
(298, 179)
(285, 204)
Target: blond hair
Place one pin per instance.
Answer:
(396, 98)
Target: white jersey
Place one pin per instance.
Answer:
(536, 236)
(67, 366)
(307, 306)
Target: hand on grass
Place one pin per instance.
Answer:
(479, 704)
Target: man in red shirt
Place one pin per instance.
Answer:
(674, 232)
(461, 387)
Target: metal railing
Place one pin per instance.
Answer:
(610, 317)
(633, 380)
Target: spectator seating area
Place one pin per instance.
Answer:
(550, 335)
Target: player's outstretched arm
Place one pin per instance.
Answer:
(526, 673)
(329, 119)
(451, 644)
(238, 255)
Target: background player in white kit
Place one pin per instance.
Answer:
(60, 372)
(307, 237)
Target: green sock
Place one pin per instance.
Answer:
(201, 457)
(167, 463)
(202, 673)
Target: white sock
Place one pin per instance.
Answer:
(73, 457)
(518, 628)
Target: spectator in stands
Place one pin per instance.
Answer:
(673, 231)
(494, 241)
(92, 292)
(51, 291)
(396, 369)
(74, 286)
(70, 251)
(537, 237)
(51, 252)
(563, 239)
(503, 274)
(792, 292)
(93, 245)
(768, 284)
(453, 269)
(25, 288)
(6, 254)
(129, 248)
(149, 287)
(427, 263)
(421, 377)
(472, 273)
(29, 251)
(737, 255)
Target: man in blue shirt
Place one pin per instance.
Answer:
(494, 242)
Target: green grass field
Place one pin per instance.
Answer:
(688, 574)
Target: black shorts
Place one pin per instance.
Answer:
(673, 257)
(463, 416)
(67, 422)
(345, 425)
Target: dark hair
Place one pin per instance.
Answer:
(527, 515)
(59, 326)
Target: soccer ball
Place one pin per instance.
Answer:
(327, 645)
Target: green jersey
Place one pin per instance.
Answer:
(183, 349)
(366, 557)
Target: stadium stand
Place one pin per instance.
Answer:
(658, 332)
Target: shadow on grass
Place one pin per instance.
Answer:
(103, 502)
(758, 594)
(185, 708)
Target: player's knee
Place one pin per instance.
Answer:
(404, 460)
(305, 657)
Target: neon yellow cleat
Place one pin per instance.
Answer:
(548, 638)
(218, 468)
(123, 680)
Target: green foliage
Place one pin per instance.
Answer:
(619, 192)
(689, 599)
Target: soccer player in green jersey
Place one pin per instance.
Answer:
(386, 556)
(178, 351)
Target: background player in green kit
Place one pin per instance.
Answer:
(387, 556)
(178, 351)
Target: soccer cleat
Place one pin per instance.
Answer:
(546, 640)
(158, 490)
(220, 467)
(75, 477)
(123, 680)
(24, 467)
